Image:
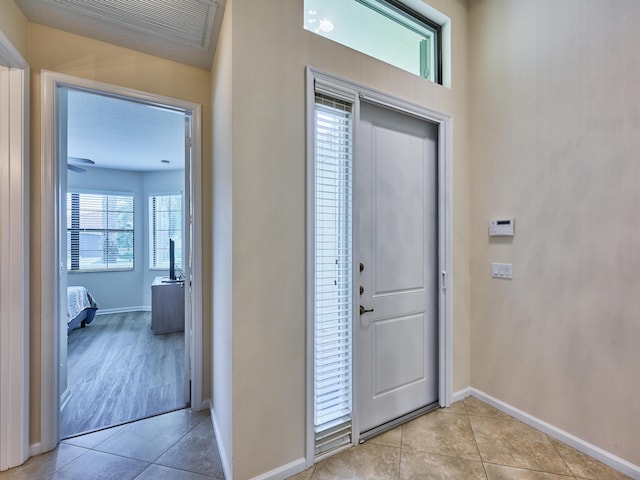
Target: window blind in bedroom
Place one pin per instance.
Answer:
(100, 231)
(165, 222)
(333, 272)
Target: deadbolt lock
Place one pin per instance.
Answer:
(361, 289)
(361, 267)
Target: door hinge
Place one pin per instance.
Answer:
(443, 276)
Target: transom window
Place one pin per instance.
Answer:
(100, 231)
(384, 29)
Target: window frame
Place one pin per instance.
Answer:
(435, 26)
(77, 230)
(408, 15)
(333, 137)
(151, 239)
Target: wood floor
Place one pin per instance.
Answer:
(119, 371)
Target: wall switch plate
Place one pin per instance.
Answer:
(502, 270)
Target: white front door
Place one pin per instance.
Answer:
(396, 194)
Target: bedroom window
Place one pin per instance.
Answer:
(100, 232)
(333, 255)
(165, 222)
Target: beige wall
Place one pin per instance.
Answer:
(555, 123)
(13, 24)
(270, 52)
(62, 52)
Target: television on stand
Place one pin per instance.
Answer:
(172, 259)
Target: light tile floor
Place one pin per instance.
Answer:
(175, 446)
(469, 441)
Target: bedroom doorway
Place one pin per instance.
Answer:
(123, 165)
(123, 354)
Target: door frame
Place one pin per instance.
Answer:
(14, 250)
(50, 261)
(445, 260)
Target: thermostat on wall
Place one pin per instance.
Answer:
(502, 227)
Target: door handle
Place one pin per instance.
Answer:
(365, 310)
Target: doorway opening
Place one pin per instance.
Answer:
(125, 298)
(379, 249)
(123, 354)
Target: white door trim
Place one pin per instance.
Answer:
(50, 261)
(14, 256)
(445, 211)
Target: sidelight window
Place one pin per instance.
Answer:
(333, 131)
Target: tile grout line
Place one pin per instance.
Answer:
(532, 470)
(401, 449)
(475, 440)
(178, 441)
(560, 455)
(94, 449)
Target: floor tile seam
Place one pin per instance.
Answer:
(182, 470)
(121, 456)
(553, 445)
(179, 468)
(494, 417)
(156, 458)
(430, 452)
(475, 441)
(444, 412)
(571, 475)
(86, 450)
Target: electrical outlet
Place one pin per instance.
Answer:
(502, 270)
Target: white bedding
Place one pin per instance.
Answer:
(78, 298)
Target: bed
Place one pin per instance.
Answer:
(81, 307)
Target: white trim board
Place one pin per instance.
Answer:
(14, 257)
(222, 452)
(108, 311)
(285, 471)
(579, 444)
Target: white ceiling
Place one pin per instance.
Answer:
(185, 31)
(122, 134)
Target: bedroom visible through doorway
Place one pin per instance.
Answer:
(124, 249)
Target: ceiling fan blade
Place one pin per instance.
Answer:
(81, 160)
(76, 169)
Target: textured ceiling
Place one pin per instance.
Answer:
(124, 135)
(185, 31)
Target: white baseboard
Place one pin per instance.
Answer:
(224, 458)
(205, 404)
(583, 446)
(461, 394)
(285, 471)
(107, 311)
(34, 449)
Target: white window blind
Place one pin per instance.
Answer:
(100, 231)
(333, 273)
(165, 222)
